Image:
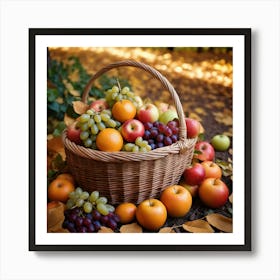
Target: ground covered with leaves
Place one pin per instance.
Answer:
(202, 79)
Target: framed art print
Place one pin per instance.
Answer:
(140, 139)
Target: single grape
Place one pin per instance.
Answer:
(148, 125)
(151, 141)
(128, 147)
(115, 89)
(168, 131)
(72, 217)
(112, 224)
(104, 219)
(94, 129)
(105, 117)
(79, 221)
(94, 196)
(78, 191)
(97, 225)
(110, 208)
(84, 126)
(86, 221)
(101, 126)
(147, 135)
(84, 135)
(143, 149)
(174, 138)
(160, 138)
(148, 148)
(102, 199)
(154, 133)
(111, 123)
(96, 215)
(90, 112)
(102, 209)
(84, 118)
(70, 203)
(87, 207)
(159, 145)
(161, 127)
(126, 90)
(80, 202)
(135, 149)
(91, 228)
(107, 112)
(82, 229)
(88, 142)
(167, 141)
(84, 195)
(97, 118)
(72, 195)
(139, 141)
(90, 123)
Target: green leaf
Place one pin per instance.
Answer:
(59, 129)
(52, 94)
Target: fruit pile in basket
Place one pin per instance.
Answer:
(122, 122)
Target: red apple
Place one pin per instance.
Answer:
(212, 169)
(99, 105)
(131, 129)
(148, 113)
(192, 189)
(205, 151)
(73, 133)
(194, 175)
(213, 192)
(193, 128)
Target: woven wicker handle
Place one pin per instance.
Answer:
(165, 83)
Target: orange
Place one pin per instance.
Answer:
(177, 200)
(59, 189)
(109, 140)
(126, 212)
(151, 214)
(67, 176)
(123, 110)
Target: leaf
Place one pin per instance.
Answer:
(68, 120)
(79, 107)
(167, 230)
(220, 222)
(55, 145)
(198, 226)
(131, 228)
(105, 230)
(55, 217)
(230, 198)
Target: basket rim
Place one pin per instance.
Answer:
(181, 146)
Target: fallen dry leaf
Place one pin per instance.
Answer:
(198, 226)
(79, 107)
(131, 228)
(167, 230)
(230, 198)
(68, 120)
(105, 230)
(220, 222)
(55, 217)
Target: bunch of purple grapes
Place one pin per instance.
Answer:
(76, 220)
(159, 135)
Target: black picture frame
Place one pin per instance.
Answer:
(244, 32)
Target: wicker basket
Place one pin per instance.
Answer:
(131, 176)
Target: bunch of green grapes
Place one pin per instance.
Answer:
(139, 145)
(88, 202)
(116, 94)
(92, 122)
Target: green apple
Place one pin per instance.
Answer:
(220, 142)
(168, 116)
